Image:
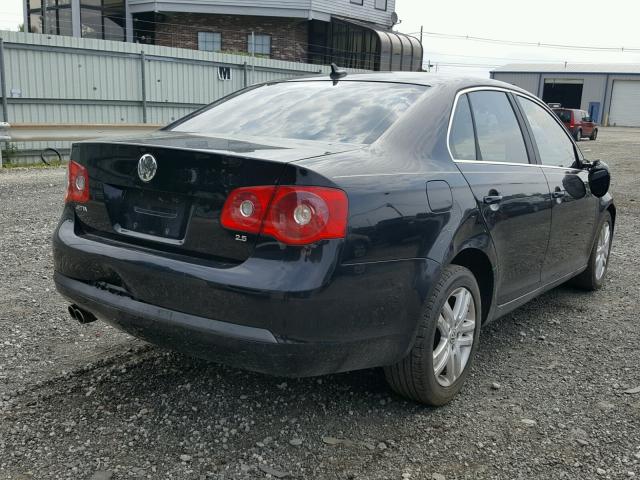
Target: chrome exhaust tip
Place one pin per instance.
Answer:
(81, 315)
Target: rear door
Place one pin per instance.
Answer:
(587, 124)
(575, 209)
(488, 145)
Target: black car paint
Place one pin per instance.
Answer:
(333, 306)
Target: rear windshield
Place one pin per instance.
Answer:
(564, 115)
(348, 112)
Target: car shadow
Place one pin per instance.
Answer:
(148, 371)
(149, 402)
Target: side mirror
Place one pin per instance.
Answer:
(599, 178)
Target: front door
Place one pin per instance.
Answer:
(512, 194)
(574, 209)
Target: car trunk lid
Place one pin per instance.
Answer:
(177, 207)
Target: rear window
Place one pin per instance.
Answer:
(348, 112)
(563, 115)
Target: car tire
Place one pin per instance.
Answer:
(594, 134)
(593, 277)
(415, 377)
(578, 135)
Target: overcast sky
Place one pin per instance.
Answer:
(611, 23)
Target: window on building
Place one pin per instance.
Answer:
(381, 4)
(34, 9)
(103, 19)
(357, 2)
(35, 22)
(210, 41)
(262, 44)
(91, 23)
(50, 16)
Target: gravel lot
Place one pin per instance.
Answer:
(546, 398)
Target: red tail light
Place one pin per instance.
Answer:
(571, 121)
(291, 215)
(245, 208)
(77, 183)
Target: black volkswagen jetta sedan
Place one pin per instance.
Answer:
(321, 225)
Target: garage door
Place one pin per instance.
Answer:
(625, 104)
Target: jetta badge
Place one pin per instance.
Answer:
(147, 167)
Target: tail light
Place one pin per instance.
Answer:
(572, 120)
(77, 183)
(291, 215)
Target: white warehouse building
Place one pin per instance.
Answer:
(609, 92)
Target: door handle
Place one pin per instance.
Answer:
(558, 194)
(492, 199)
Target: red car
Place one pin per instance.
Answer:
(578, 122)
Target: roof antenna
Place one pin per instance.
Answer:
(336, 73)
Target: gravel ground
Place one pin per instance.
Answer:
(545, 400)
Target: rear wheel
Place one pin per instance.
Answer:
(578, 135)
(594, 134)
(435, 369)
(593, 277)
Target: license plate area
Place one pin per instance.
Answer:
(147, 213)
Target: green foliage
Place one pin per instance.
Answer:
(9, 154)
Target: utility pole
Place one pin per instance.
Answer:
(253, 56)
(421, 27)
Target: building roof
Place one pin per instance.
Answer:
(398, 51)
(321, 10)
(633, 68)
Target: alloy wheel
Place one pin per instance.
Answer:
(602, 249)
(453, 341)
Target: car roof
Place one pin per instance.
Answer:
(418, 78)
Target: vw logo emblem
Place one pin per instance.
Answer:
(147, 167)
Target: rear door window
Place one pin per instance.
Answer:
(462, 141)
(564, 115)
(498, 132)
(554, 145)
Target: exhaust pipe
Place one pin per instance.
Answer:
(81, 315)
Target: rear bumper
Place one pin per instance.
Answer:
(240, 346)
(361, 316)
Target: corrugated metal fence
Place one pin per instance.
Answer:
(66, 80)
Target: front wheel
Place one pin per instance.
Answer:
(435, 369)
(593, 277)
(594, 134)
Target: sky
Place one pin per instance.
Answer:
(614, 24)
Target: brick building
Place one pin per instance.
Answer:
(352, 33)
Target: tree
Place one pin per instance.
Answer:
(21, 27)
